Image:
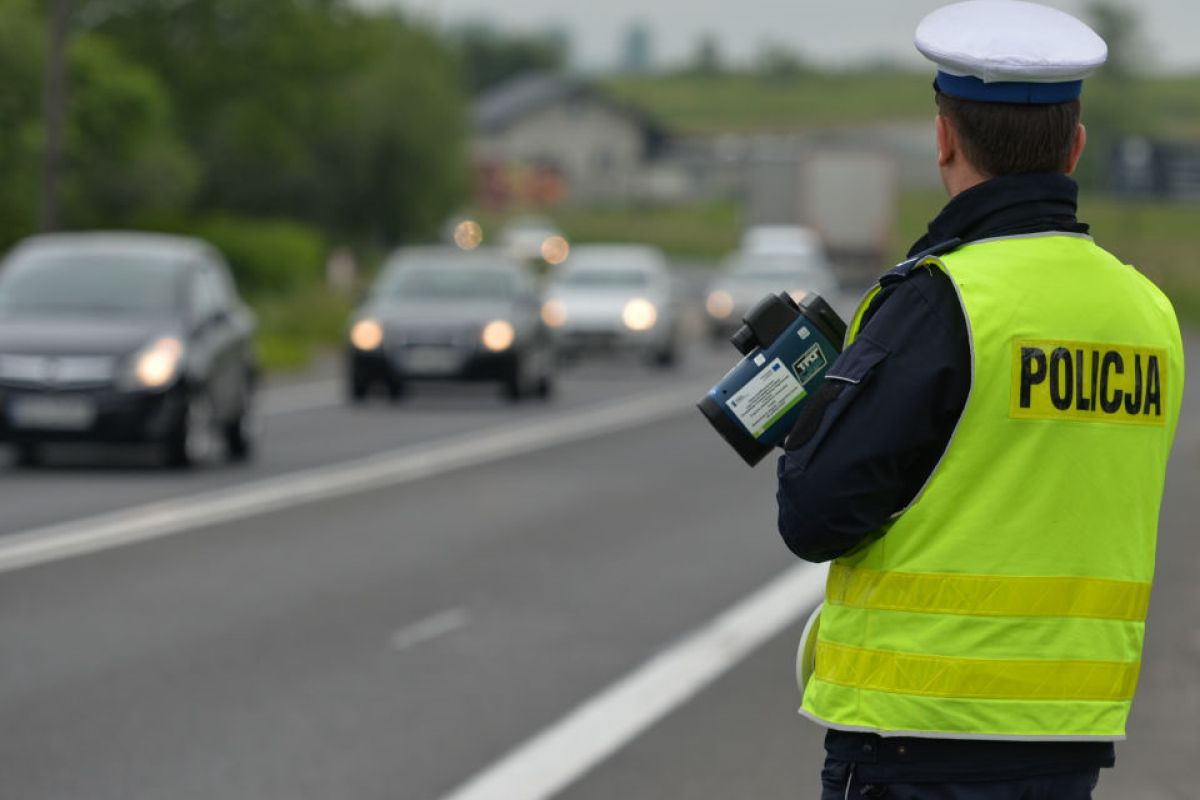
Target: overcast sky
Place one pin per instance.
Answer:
(831, 32)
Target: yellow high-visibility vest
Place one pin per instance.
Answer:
(1008, 601)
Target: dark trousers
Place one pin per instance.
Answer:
(839, 782)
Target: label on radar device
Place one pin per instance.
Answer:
(766, 398)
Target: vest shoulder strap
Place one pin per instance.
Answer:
(887, 284)
(905, 268)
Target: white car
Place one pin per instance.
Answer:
(614, 298)
(748, 277)
(781, 239)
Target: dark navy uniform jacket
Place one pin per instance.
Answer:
(863, 448)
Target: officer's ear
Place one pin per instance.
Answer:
(1077, 147)
(947, 141)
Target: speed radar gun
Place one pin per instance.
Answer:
(788, 348)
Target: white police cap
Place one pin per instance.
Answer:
(1009, 51)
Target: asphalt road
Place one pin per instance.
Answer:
(395, 638)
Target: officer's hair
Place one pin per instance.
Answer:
(1010, 139)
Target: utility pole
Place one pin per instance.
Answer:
(54, 113)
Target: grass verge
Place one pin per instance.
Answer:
(740, 102)
(293, 328)
(703, 232)
(751, 103)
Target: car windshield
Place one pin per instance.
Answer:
(772, 270)
(450, 284)
(133, 284)
(767, 275)
(623, 278)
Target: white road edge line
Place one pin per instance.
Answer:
(558, 756)
(169, 517)
(429, 629)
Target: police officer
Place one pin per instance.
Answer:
(985, 463)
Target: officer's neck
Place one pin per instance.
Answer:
(960, 176)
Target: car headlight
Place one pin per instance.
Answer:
(498, 335)
(468, 234)
(366, 335)
(555, 250)
(554, 313)
(639, 314)
(158, 365)
(719, 304)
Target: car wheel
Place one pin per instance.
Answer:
(358, 388)
(195, 436)
(397, 390)
(241, 433)
(514, 384)
(543, 385)
(28, 455)
(667, 357)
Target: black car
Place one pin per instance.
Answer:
(123, 338)
(440, 314)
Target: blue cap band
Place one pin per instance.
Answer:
(969, 88)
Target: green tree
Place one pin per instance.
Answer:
(302, 108)
(124, 160)
(779, 63)
(21, 60)
(395, 146)
(489, 57)
(1114, 105)
(249, 81)
(1119, 27)
(637, 49)
(707, 59)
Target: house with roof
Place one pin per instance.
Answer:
(544, 139)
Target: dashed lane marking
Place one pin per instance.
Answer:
(427, 630)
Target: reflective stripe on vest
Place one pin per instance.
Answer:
(1008, 600)
(987, 595)
(993, 679)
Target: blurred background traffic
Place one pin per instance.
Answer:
(300, 233)
(646, 197)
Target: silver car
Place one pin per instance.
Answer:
(614, 298)
(747, 277)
